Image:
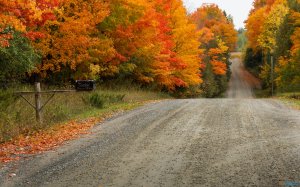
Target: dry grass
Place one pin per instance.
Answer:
(18, 118)
(291, 99)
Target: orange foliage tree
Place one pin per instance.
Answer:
(20, 23)
(73, 42)
(217, 37)
(25, 16)
(146, 40)
(151, 42)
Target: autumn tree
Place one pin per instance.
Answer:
(267, 37)
(150, 41)
(272, 30)
(288, 66)
(186, 47)
(20, 21)
(217, 38)
(255, 54)
(17, 58)
(73, 43)
(137, 31)
(254, 26)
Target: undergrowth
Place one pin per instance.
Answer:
(290, 98)
(18, 118)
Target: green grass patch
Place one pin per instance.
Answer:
(260, 93)
(291, 99)
(18, 118)
(289, 95)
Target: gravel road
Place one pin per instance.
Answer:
(234, 141)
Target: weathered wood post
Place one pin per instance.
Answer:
(272, 70)
(37, 87)
(82, 85)
(272, 74)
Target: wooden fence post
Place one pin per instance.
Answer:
(37, 87)
(38, 106)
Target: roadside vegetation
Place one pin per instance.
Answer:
(154, 44)
(291, 99)
(136, 51)
(273, 33)
(217, 38)
(65, 117)
(272, 30)
(18, 118)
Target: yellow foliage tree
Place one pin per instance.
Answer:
(254, 25)
(267, 37)
(186, 39)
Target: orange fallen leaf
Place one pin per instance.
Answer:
(45, 140)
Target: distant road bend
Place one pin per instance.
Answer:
(234, 141)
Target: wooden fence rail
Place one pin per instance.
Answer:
(38, 105)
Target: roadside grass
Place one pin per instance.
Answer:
(17, 118)
(290, 98)
(261, 93)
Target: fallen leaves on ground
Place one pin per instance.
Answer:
(45, 140)
(54, 136)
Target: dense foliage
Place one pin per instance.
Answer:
(17, 58)
(273, 28)
(147, 42)
(217, 39)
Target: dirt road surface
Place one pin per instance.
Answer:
(234, 141)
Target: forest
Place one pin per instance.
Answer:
(135, 50)
(149, 43)
(273, 32)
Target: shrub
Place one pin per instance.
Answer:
(17, 59)
(96, 100)
(99, 100)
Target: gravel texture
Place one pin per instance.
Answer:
(234, 141)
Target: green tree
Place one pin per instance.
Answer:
(17, 58)
(242, 40)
